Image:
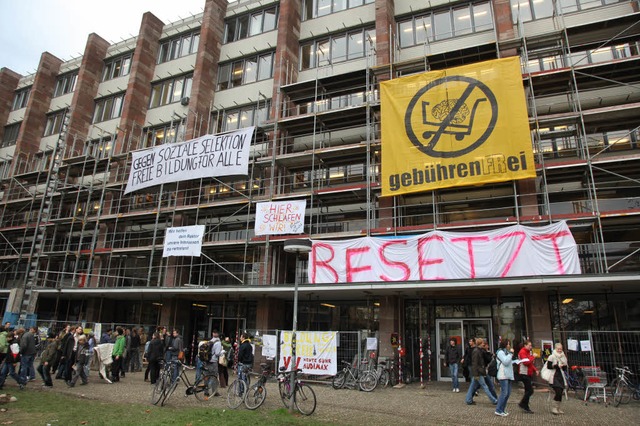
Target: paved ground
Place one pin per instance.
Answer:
(435, 405)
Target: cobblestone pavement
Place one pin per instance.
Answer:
(435, 405)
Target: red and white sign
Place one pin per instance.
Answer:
(508, 252)
(280, 217)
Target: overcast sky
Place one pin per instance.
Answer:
(61, 27)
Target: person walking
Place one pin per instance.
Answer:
(82, 359)
(28, 352)
(10, 361)
(48, 359)
(505, 375)
(466, 359)
(452, 357)
(557, 362)
(478, 373)
(527, 371)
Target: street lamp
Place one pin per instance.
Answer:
(298, 246)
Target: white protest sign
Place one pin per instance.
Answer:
(442, 255)
(270, 345)
(316, 352)
(207, 156)
(280, 217)
(183, 241)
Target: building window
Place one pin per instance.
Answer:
(250, 24)
(117, 67)
(316, 8)
(100, 148)
(444, 24)
(335, 49)
(54, 123)
(170, 91)
(21, 98)
(4, 169)
(251, 115)
(10, 135)
(245, 71)
(108, 108)
(178, 46)
(165, 133)
(66, 83)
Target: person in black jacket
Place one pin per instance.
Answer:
(452, 357)
(154, 356)
(66, 349)
(466, 359)
(478, 373)
(245, 355)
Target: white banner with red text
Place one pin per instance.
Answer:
(441, 255)
(316, 352)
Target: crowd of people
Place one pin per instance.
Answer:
(482, 368)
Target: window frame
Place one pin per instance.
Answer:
(66, 83)
(21, 98)
(163, 92)
(117, 66)
(174, 47)
(110, 107)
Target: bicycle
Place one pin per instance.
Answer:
(304, 398)
(624, 387)
(257, 393)
(383, 374)
(576, 381)
(165, 386)
(407, 375)
(237, 390)
(351, 376)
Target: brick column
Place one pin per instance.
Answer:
(143, 65)
(8, 83)
(389, 323)
(82, 104)
(527, 197)
(504, 25)
(205, 73)
(538, 316)
(287, 47)
(35, 117)
(385, 30)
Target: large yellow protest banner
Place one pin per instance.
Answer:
(460, 126)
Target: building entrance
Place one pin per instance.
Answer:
(462, 330)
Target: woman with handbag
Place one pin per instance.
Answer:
(556, 376)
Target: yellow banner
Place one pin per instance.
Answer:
(461, 126)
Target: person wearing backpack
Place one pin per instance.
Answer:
(10, 361)
(210, 367)
(492, 368)
(504, 376)
(204, 352)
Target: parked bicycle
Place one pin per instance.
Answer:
(625, 387)
(576, 381)
(257, 392)
(304, 398)
(351, 376)
(237, 390)
(204, 388)
(383, 374)
(407, 375)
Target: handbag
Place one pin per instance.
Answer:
(546, 373)
(181, 355)
(222, 360)
(523, 369)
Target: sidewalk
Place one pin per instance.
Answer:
(411, 405)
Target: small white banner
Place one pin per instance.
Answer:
(183, 241)
(224, 154)
(316, 352)
(269, 345)
(280, 217)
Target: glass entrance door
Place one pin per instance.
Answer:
(462, 330)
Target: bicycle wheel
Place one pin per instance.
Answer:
(170, 388)
(285, 393)
(384, 378)
(255, 396)
(236, 393)
(157, 393)
(368, 381)
(203, 392)
(339, 380)
(622, 394)
(305, 399)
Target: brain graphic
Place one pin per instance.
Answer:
(441, 110)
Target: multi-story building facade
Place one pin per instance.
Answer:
(74, 247)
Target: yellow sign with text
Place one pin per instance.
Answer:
(461, 126)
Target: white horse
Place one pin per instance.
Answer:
(102, 359)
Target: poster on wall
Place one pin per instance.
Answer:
(280, 217)
(442, 255)
(316, 352)
(183, 241)
(466, 125)
(225, 154)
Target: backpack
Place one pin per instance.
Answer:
(492, 368)
(204, 352)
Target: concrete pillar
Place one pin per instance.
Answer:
(83, 102)
(35, 117)
(8, 83)
(538, 316)
(143, 65)
(385, 30)
(205, 73)
(389, 323)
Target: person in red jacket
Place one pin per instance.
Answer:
(527, 371)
